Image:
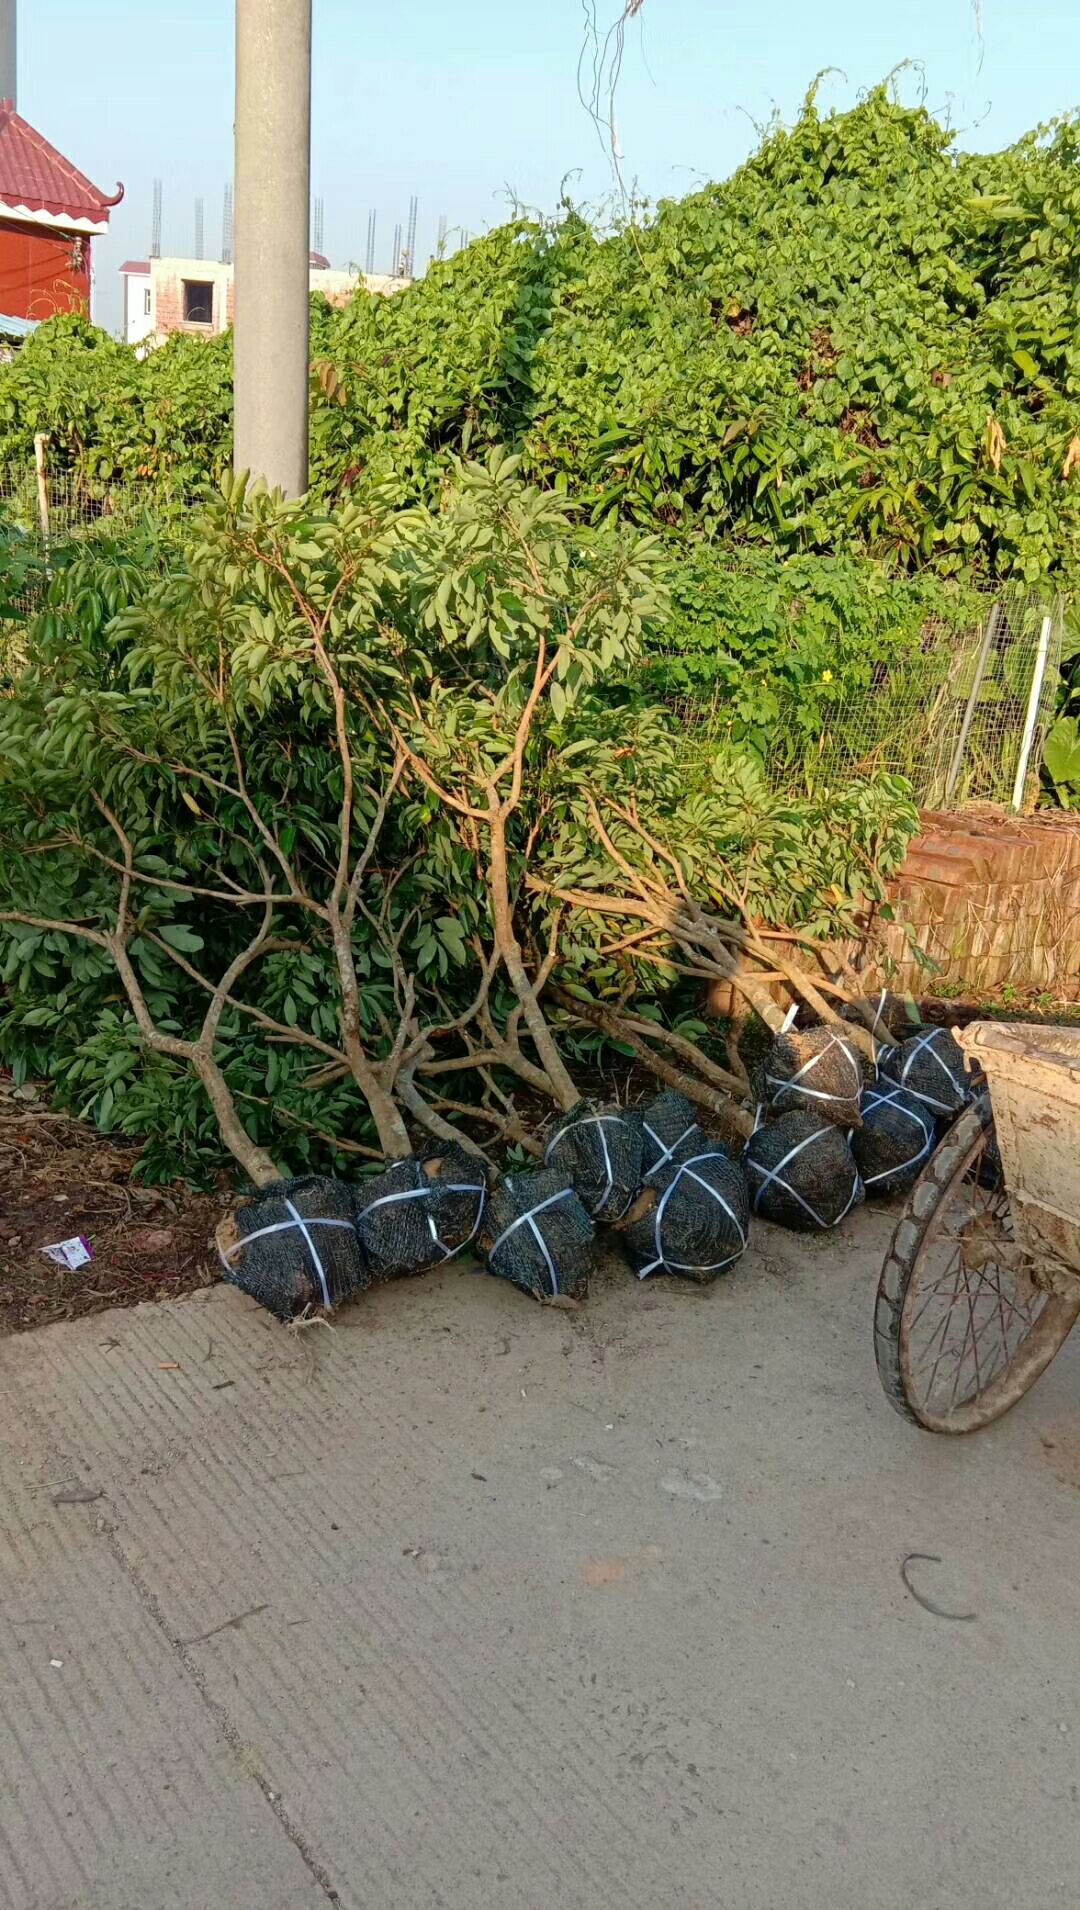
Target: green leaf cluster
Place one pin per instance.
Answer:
(179, 697)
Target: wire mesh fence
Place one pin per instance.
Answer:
(961, 712)
(45, 501)
(44, 505)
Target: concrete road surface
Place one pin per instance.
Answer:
(475, 1605)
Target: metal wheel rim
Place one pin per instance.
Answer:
(1008, 1331)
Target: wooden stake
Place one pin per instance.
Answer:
(40, 442)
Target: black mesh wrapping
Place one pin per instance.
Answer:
(537, 1235)
(691, 1219)
(294, 1245)
(601, 1153)
(896, 1139)
(887, 1016)
(931, 1067)
(801, 1173)
(419, 1212)
(669, 1132)
(815, 1070)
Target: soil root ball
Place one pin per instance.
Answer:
(895, 1141)
(601, 1153)
(537, 1235)
(691, 1219)
(419, 1212)
(294, 1245)
(890, 1018)
(801, 1173)
(669, 1132)
(931, 1066)
(817, 1070)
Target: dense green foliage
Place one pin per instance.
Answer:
(862, 339)
(759, 438)
(181, 706)
(860, 354)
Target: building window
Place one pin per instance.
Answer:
(198, 302)
(146, 301)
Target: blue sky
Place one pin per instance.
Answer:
(466, 101)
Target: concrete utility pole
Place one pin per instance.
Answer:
(273, 207)
(9, 77)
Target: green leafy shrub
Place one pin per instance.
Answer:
(282, 812)
(865, 340)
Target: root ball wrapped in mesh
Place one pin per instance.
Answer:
(294, 1245)
(801, 1173)
(537, 1235)
(895, 1141)
(601, 1154)
(691, 1219)
(669, 1132)
(419, 1212)
(889, 1017)
(817, 1070)
(930, 1066)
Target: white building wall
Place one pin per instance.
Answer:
(138, 307)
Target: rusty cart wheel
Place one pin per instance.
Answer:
(964, 1323)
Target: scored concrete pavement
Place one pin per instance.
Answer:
(472, 1604)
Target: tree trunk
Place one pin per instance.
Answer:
(389, 1125)
(509, 948)
(254, 1160)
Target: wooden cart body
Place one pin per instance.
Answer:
(1033, 1075)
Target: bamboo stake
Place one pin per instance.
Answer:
(40, 442)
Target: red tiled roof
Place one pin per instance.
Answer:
(136, 265)
(35, 175)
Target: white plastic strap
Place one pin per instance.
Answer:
(420, 1193)
(804, 1093)
(286, 1226)
(433, 1189)
(876, 1099)
(682, 1266)
(790, 1018)
(879, 1100)
(597, 1121)
(879, 1046)
(666, 1153)
(925, 1044)
(776, 1174)
(529, 1220)
(901, 1166)
(834, 1041)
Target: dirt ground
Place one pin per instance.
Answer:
(60, 1178)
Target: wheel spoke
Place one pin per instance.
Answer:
(962, 1330)
(944, 1332)
(974, 1337)
(932, 1291)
